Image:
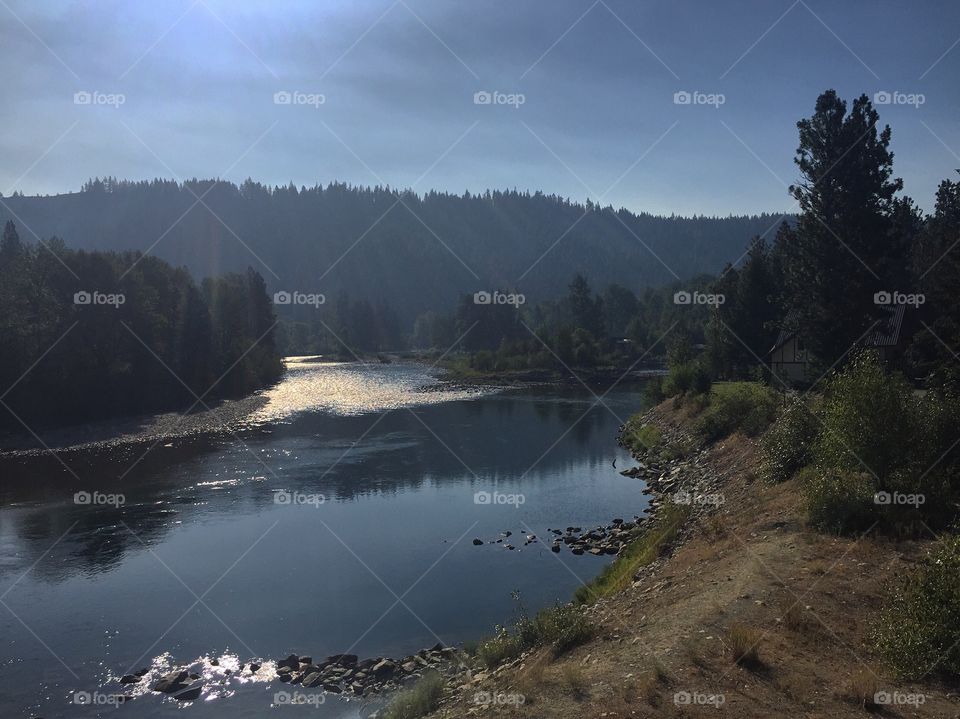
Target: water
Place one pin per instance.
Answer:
(338, 518)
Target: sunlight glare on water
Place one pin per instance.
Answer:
(352, 388)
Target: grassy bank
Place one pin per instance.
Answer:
(649, 546)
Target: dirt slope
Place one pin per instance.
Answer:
(750, 570)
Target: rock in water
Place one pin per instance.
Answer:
(171, 682)
(291, 662)
(384, 668)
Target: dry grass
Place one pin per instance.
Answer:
(574, 681)
(861, 689)
(795, 618)
(742, 643)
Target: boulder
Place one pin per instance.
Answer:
(129, 679)
(311, 680)
(292, 661)
(477, 542)
(384, 668)
(171, 682)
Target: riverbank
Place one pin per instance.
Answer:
(209, 418)
(459, 372)
(217, 417)
(747, 609)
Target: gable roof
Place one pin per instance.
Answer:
(885, 333)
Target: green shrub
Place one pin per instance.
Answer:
(869, 420)
(653, 393)
(691, 377)
(561, 627)
(786, 445)
(701, 381)
(875, 425)
(640, 437)
(737, 406)
(421, 699)
(838, 500)
(919, 630)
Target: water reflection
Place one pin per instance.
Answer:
(398, 484)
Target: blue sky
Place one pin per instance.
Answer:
(597, 80)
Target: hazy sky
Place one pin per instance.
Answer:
(397, 80)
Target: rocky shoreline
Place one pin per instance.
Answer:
(339, 674)
(600, 540)
(683, 480)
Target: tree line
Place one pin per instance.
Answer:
(89, 335)
(418, 252)
(828, 274)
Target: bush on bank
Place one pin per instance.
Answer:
(882, 453)
(561, 627)
(918, 632)
(786, 446)
(417, 701)
(747, 407)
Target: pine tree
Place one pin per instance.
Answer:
(844, 243)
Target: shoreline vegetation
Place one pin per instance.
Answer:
(758, 603)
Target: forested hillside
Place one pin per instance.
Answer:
(416, 253)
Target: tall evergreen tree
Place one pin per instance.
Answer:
(844, 248)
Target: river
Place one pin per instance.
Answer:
(337, 517)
